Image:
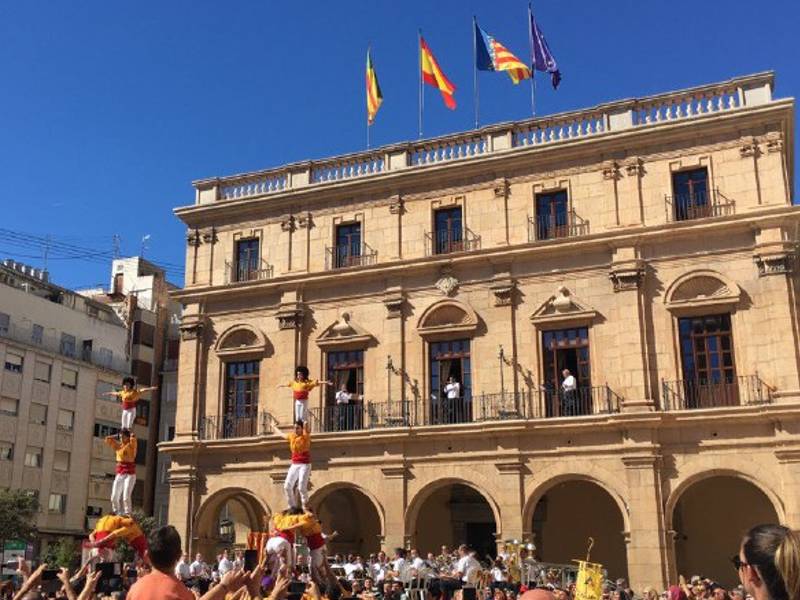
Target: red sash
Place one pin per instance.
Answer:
(314, 541)
(301, 458)
(126, 468)
(287, 535)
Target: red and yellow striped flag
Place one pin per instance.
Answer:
(432, 75)
(374, 96)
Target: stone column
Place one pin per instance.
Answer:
(626, 275)
(394, 498)
(182, 503)
(646, 551)
(191, 365)
(511, 496)
(789, 460)
(289, 343)
(397, 208)
(629, 190)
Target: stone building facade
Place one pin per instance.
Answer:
(647, 245)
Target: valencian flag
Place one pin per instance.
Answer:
(589, 583)
(374, 96)
(491, 55)
(541, 57)
(432, 75)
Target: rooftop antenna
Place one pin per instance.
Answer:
(144, 246)
(115, 242)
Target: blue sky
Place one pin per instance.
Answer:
(108, 109)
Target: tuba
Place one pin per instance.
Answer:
(513, 566)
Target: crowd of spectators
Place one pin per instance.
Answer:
(767, 563)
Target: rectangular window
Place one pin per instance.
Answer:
(86, 350)
(6, 451)
(105, 357)
(33, 457)
(709, 371)
(241, 399)
(142, 372)
(567, 349)
(170, 433)
(41, 371)
(247, 259)
(5, 323)
(61, 460)
(143, 412)
(552, 215)
(57, 503)
(9, 406)
(144, 334)
(37, 334)
(66, 419)
(347, 252)
(69, 378)
(103, 430)
(450, 359)
(14, 362)
(690, 194)
(101, 388)
(68, 343)
(37, 414)
(141, 452)
(94, 511)
(448, 231)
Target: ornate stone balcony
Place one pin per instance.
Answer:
(564, 128)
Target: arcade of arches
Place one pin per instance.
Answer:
(706, 518)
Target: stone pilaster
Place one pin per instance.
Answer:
(394, 478)
(191, 381)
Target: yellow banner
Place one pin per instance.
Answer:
(590, 581)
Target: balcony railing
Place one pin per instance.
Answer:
(552, 130)
(343, 257)
(741, 390)
(598, 399)
(223, 427)
(698, 205)
(342, 417)
(235, 273)
(47, 340)
(448, 241)
(550, 227)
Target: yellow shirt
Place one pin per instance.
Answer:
(129, 398)
(300, 389)
(309, 525)
(282, 522)
(300, 445)
(126, 453)
(127, 527)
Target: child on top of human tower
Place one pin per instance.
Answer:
(129, 395)
(300, 387)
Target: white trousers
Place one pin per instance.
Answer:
(280, 553)
(128, 415)
(296, 486)
(300, 410)
(121, 493)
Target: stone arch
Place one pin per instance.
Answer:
(241, 338)
(573, 507)
(700, 540)
(319, 495)
(206, 519)
(701, 287)
(447, 317)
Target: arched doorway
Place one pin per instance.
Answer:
(709, 519)
(353, 514)
(454, 514)
(225, 519)
(571, 512)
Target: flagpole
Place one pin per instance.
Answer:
(533, 66)
(475, 92)
(419, 66)
(368, 61)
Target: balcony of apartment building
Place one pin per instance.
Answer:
(349, 249)
(554, 219)
(693, 198)
(450, 235)
(247, 263)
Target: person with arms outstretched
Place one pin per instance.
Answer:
(300, 387)
(129, 395)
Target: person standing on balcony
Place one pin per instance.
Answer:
(122, 490)
(300, 387)
(452, 392)
(569, 394)
(345, 411)
(296, 485)
(129, 395)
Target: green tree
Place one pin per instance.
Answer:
(125, 552)
(64, 553)
(17, 515)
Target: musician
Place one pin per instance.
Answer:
(466, 571)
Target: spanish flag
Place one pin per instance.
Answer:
(374, 96)
(432, 75)
(491, 55)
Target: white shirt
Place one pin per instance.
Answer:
(498, 574)
(225, 565)
(378, 572)
(401, 567)
(453, 390)
(343, 397)
(350, 569)
(568, 385)
(182, 570)
(469, 568)
(418, 563)
(238, 563)
(198, 569)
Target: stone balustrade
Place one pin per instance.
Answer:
(735, 94)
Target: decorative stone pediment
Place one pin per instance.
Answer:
(561, 308)
(447, 284)
(241, 339)
(446, 318)
(702, 288)
(344, 332)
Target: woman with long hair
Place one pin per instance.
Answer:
(769, 563)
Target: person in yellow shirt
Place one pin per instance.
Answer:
(311, 529)
(110, 528)
(296, 486)
(122, 490)
(129, 395)
(300, 387)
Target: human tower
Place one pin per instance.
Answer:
(282, 527)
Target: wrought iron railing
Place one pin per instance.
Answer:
(585, 400)
(448, 241)
(382, 415)
(235, 272)
(698, 205)
(340, 417)
(224, 427)
(551, 227)
(503, 406)
(740, 390)
(345, 256)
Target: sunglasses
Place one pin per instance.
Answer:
(738, 563)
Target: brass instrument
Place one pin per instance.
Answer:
(517, 571)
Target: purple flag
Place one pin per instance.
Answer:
(541, 57)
